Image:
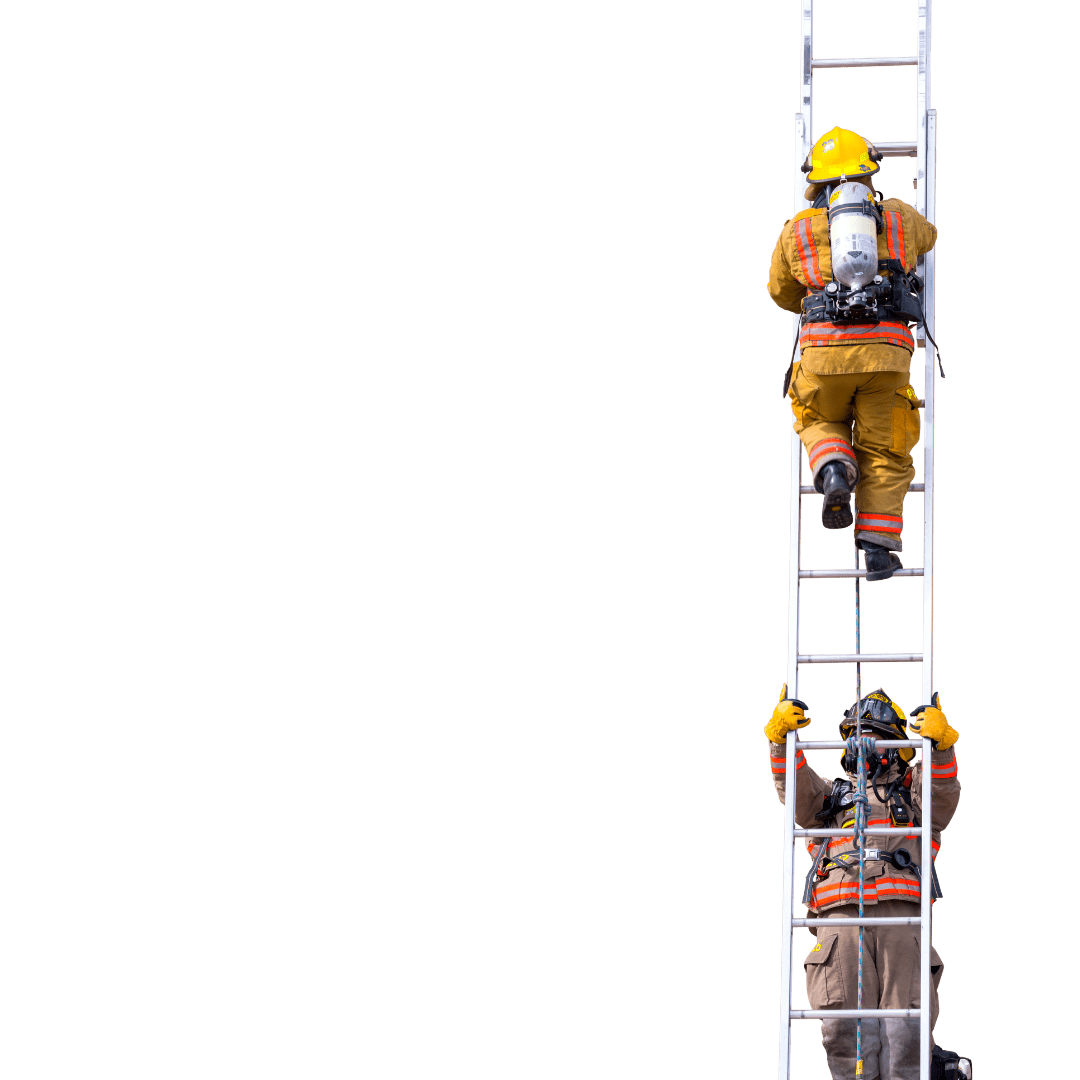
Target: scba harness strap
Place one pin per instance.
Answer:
(879, 313)
(893, 300)
(901, 815)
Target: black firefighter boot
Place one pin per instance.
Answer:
(880, 562)
(836, 508)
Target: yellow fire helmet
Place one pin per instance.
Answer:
(880, 716)
(841, 155)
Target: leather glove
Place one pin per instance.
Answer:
(928, 722)
(789, 715)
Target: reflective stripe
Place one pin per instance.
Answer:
(943, 772)
(808, 256)
(781, 758)
(829, 446)
(826, 333)
(894, 236)
(849, 890)
(880, 523)
(935, 844)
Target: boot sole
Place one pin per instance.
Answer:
(836, 513)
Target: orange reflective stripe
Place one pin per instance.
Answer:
(894, 236)
(830, 446)
(774, 759)
(829, 893)
(849, 890)
(827, 333)
(808, 256)
(800, 247)
(886, 523)
(943, 771)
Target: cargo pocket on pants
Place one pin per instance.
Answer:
(937, 967)
(905, 421)
(824, 979)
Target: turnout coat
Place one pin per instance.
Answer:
(837, 880)
(802, 263)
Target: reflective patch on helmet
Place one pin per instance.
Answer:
(864, 168)
(827, 146)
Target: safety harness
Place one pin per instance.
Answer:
(842, 796)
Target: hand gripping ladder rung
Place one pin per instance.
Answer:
(924, 149)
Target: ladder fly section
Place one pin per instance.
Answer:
(924, 150)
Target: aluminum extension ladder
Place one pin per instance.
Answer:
(924, 150)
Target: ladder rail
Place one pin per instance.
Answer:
(803, 121)
(788, 913)
(927, 121)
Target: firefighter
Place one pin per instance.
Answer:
(891, 968)
(855, 410)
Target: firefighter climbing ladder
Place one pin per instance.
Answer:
(924, 150)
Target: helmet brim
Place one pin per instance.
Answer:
(823, 177)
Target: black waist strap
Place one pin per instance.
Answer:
(900, 859)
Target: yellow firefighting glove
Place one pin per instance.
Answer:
(928, 722)
(789, 715)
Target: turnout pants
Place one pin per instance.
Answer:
(869, 421)
(891, 980)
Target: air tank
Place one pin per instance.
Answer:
(853, 235)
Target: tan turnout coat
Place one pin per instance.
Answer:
(802, 262)
(840, 885)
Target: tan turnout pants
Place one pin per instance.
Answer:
(869, 421)
(891, 980)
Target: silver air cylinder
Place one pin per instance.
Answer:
(853, 235)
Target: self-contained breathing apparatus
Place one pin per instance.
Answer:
(860, 293)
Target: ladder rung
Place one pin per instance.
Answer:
(897, 920)
(916, 571)
(861, 658)
(848, 1014)
(866, 61)
(839, 744)
(809, 489)
(897, 149)
(875, 830)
